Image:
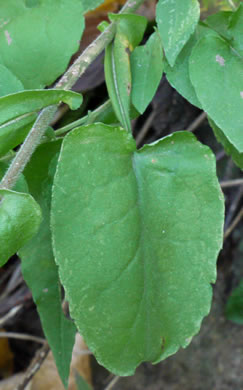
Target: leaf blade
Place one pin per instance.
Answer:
(20, 218)
(20, 103)
(214, 69)
(38, 266)
(176, 21)
(47, 33)
(147, 70)
(125, 275)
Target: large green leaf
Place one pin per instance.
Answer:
(117, 63)
(8, 82)
(17, 104)
(216, 74)
(20, 217)
(228, 147)
(136, 241)
(176, 21)
(38, 38)
(147, 68)
(38, 265)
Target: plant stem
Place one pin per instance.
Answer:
(234, 223)
(31, 142)
(20, 336)
(84, 119)
(231, 183)
(66, 82)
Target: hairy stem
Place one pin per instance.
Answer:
(84, 119)
(66, 82)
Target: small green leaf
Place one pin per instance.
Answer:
(176, 21)
(8, 82)
(228, 147)
(136, 241)
(234, 306)
(37, 40)
(216, 74)
(178, 75)
(13, 132)
(126, 30)
(38, 265)
(17, 104)
(20, 217)
(147, 69)
(117, 63)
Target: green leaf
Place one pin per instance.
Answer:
(20, 217)
(178, 75)
(236, 30)
(117, 63)
(136, 241)
(234, 306)
(38, 265)
(147, 69)
(8, 82)
(176, 22)
(216, 74)
(17, 104)
(13, 132)
(228, 147)
(125, 28)
(21, 185)
(91, 4)
(220, 23)
(38, 39)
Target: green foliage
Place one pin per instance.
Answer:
(234, 306)
(216, 74)
(47, 26)
(17, 113)
(20, 217)
(134, 234)
(147, 69)
(176, 21)
(8, 82)
(129, 250)
(228, 147)
(117, 64)
(45, 285)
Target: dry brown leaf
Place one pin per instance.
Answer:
(47, 377)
